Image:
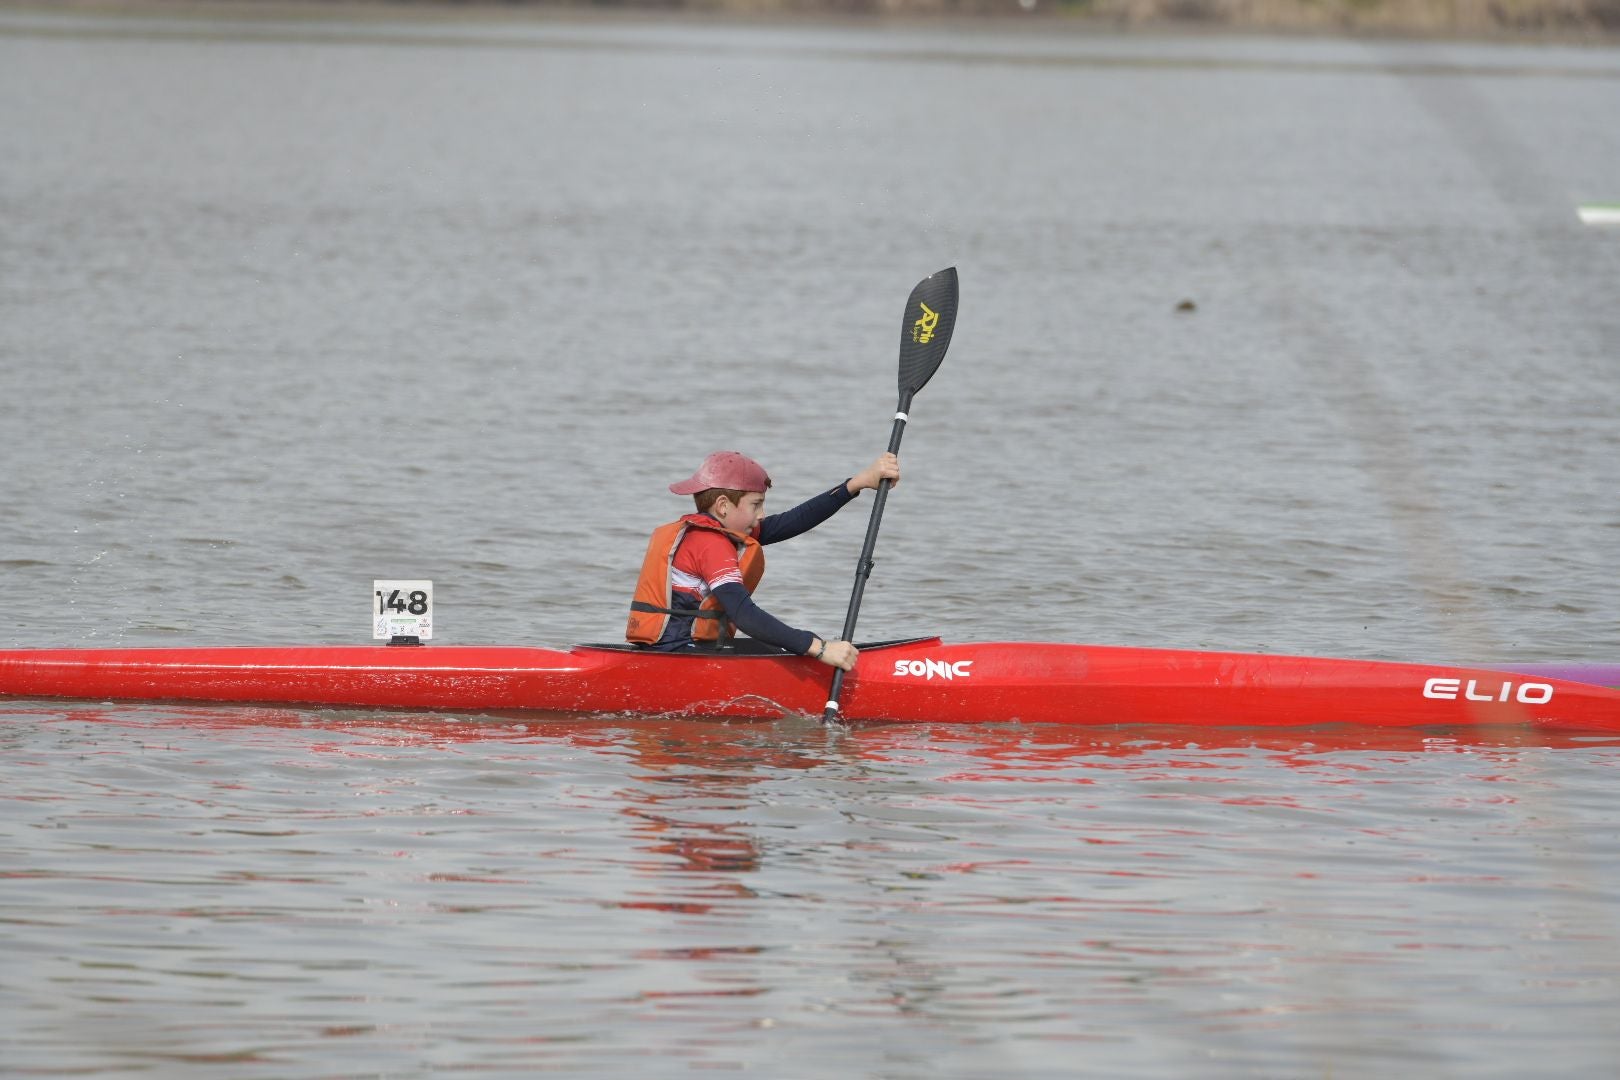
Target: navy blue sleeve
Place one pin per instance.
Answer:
(758, 623)
(804, 517)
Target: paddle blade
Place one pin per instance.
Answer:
(925, 332)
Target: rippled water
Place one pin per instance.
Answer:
(288, 894)
(286, 307)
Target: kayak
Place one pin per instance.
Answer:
(914, 680)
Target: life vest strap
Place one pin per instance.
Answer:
(685, 613)
(728, 630)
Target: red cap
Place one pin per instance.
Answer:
(725, 469)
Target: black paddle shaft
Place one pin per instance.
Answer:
(925, 334)
(863, 569)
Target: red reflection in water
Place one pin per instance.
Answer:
(669, 740)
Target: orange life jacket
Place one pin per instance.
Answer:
(650, 609)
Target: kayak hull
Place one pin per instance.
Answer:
(925, 680)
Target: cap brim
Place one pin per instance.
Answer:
(688, 487)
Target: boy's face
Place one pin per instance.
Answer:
(740, 517)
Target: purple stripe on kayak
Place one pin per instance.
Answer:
(1596, 674)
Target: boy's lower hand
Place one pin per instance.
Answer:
(840, 654)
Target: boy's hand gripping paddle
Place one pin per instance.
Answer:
(925, 334)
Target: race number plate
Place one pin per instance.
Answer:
(402, 609)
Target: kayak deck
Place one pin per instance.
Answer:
(920, 680)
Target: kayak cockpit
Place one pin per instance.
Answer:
(741, 648)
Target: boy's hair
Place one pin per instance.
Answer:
(709, 496)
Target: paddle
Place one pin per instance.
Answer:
(925, 334)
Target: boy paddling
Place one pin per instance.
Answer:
(700, 572)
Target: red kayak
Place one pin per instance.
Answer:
(922, 680)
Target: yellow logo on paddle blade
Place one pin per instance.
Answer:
(922, 331)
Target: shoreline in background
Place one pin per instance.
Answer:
(1529, 21)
